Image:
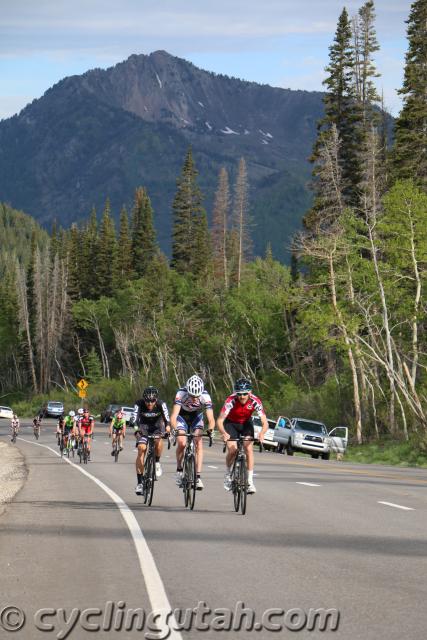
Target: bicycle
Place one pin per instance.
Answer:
(14, 434)
(83, 450)
(189, 472)
(70, 447)
(239, 474)
(61, 443)
(149, 475)
(116, 446)
(36, 430)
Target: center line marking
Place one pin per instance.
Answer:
(309, 484)
(397, 506)
(153, 582)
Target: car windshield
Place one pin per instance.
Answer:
(5, 409)
(129, 409)
(55, 404)
(114, 407)
(306, 425)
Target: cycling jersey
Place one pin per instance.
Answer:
(234, 411)
(189, 404)
(86, 424)
(68, 423)
(118, 423)
(145, 416)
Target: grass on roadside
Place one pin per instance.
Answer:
(412, 453)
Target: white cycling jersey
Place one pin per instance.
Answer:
(190, 404)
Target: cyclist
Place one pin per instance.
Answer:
(187, 413)
(37, 423)
(59, 429)
(118, 429)
(235, 419)
(14, 424)
(86, 428)
(69, 426)
(151, 418)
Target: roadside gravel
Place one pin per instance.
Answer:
(13, 473)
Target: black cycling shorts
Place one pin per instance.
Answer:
(155, 429)
(234, 429)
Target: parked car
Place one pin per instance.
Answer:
(268, 436)
(52, 409)
(309, 436)
(6, 412)
(128, 412)
(108, 413)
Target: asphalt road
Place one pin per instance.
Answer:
(318, 534)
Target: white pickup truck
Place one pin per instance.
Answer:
(309, 436)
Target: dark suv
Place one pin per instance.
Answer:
(108, 413)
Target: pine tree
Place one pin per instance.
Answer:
(54, 241)
(73, 249)
(144, 244)
(87, 258)
(365, 70)
(187, 215)
(202, 264)
(124, 256)
(106, 253)
(342, 110)
(220, 225)
(409, 155)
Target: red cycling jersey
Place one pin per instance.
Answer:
(86, 424)
(236, 412)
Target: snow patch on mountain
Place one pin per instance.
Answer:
(229, 131)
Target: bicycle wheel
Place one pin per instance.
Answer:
(190, 480)
(85, 453)
(150, 491)
(61, 446)
(147, 476)
(243, 483)
(235, 485)
(116, 451)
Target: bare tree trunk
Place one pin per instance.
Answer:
(241, 217)
(25, 320)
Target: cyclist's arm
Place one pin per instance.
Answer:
(174, 415)
(220, 424)
(264, 427)
(210, 419)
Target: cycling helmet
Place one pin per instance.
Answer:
(80, 411)
(72, 414)
(242, 385)
(195, 386)
(150, 394)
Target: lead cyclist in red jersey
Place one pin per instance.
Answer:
(236, 418)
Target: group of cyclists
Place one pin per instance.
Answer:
(151, 418)
(190, 405)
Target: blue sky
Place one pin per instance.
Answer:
(279, 42)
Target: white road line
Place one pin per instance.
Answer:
(153, 582)
(309, 484)
(212, 467)
(397, 506)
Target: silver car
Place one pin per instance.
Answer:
(309, 436)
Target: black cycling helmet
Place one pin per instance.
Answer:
(150, 394)
(242, 385)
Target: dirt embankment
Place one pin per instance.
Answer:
(13, 472)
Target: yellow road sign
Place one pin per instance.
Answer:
(82, 393)
(82, 384)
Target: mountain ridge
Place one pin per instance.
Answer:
(105, 132)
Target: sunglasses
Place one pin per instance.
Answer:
(243, 395)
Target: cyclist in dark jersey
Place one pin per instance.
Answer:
(151, 418)
(236, 418)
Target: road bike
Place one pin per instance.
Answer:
(189, 472)
(36, 430)
(70, 447)
(239, 474)
(83, 450)
(149, 475)
(61, 443)
(117, 445)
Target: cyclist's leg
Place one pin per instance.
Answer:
(141, 443)
(248, 431)
(232, 429)
(180, 441)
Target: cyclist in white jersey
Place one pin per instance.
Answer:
(187, 413)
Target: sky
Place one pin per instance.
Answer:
(284, 43)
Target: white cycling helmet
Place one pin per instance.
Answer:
(195, 386)
(72, 413)
(80, 411)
